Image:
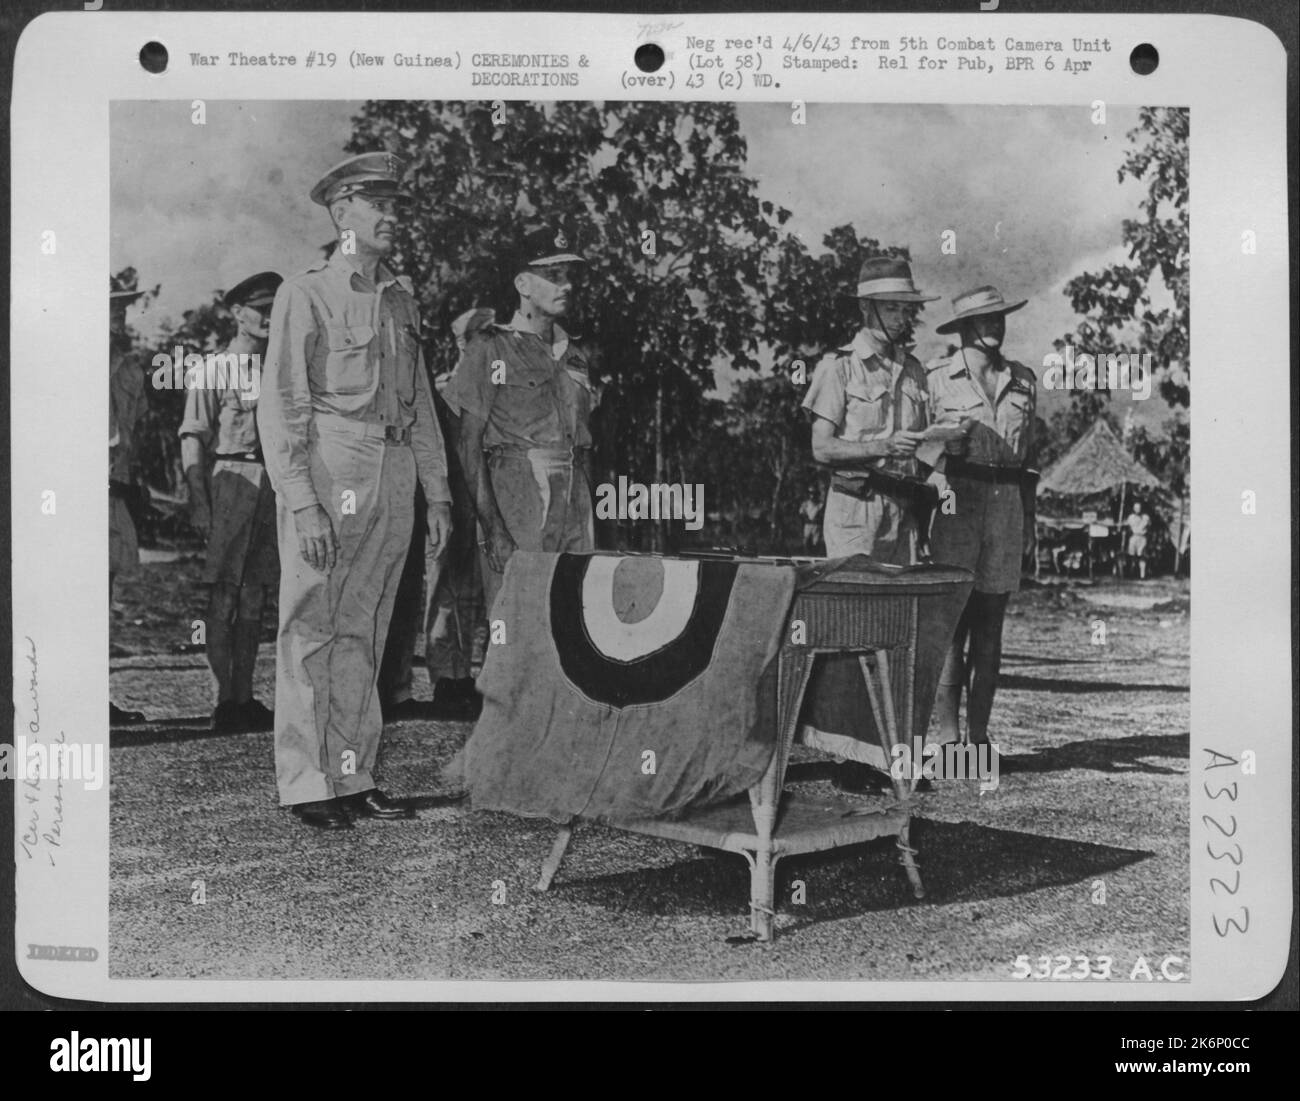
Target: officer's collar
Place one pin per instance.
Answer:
(518, 324)
(959, 367)
(384, 275)
(866, 344)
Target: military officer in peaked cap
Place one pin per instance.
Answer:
(233, 504)
(989, 470)
(869, 410)
(524, 393)
(347, 424)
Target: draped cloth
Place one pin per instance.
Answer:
(623, 687)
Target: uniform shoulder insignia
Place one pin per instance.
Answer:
(1024, 374)
(486, 332)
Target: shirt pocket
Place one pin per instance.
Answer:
(347, 367)
(866, 410)
(913, 407)
(1017, 414)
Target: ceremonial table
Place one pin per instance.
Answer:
(713, 682)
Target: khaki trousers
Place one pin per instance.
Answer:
(333, 624)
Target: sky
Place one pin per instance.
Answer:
(1030, 193)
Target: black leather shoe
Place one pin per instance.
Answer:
(118, 717)
(405, 711)
(859, 779)
(325, 814)
(257, 716)
(456, 699)
(228, 718)
(375, 804)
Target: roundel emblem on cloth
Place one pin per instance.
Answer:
(636, 630)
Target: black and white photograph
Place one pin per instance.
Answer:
(651, 508)
(581, 540)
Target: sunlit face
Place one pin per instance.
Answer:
(894, 319)
(547, 290)
(254, 321)
(371, 219)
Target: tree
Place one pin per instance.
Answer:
(675, 237)
(1117, 305)
(768, 451)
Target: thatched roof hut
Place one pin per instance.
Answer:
(1096, 463)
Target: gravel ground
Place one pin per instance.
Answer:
(1098, 797)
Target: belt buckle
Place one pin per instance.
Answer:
(395, 435)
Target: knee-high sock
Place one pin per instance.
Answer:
(987, 613)
(947, 701)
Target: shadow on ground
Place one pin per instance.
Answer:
(961, 862)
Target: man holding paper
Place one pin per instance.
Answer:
(870, 408)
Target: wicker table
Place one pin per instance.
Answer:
(879, 613)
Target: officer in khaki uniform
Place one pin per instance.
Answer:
(869, 409)
(442, 596)
(989, 470)
(347, 425)
(524, 393)
(126, 405)
(233, 504)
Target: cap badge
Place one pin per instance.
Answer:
(561, 241)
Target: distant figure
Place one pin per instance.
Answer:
(1138, 524)
(811, 511)
(126, 405)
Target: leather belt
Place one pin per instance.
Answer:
(547, 454)
(874, 481)
(240, 457)
(984, 472)
(390, 434)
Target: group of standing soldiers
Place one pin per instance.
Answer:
(327, 453)
(325, 465)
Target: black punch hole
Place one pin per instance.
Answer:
(1144, 59)
(649, 58)
(153, 57)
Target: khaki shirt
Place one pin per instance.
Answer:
(868, 395)
(127, 403)
(529, 393)
(343, 346)
(1003, 434)
(224, 421)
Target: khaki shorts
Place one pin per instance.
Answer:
(879, 527)
(984, 535)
